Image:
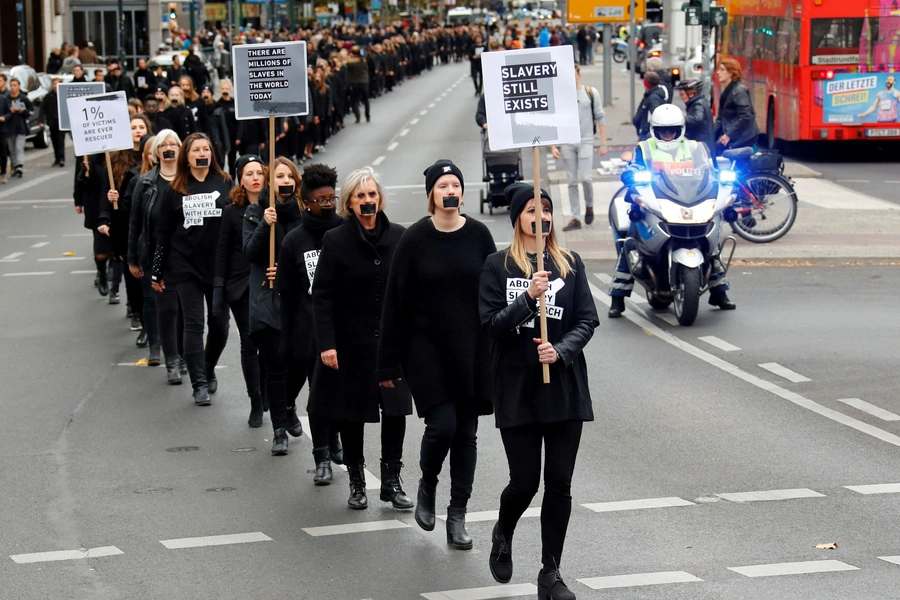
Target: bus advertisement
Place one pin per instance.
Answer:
(818, 69)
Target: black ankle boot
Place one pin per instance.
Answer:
(551, 586)
(173, 370)
(500, 561)
(357, 500)
(616, 307)
(182, 366)
(197, 370)
(294, 427)
(280, 442)
(115, 280)
(211, 381)
(721, 300)
(390, 485)
(425, 506)
(323, 474)
(457, 536)
(335, 449)
(256, 413)
(102, 279)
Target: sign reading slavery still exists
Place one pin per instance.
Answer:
(530, 97)
(65, 91)
(100, 123)
(270, 80)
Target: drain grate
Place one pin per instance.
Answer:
(183, 449)
(153, 490)
(222, 489)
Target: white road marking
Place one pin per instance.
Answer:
(668, 318)
(638, 579)
(784, 372)
(88, 272)
(38, 557)
(793, 568)
(431, 105)
(392, 146)
(77, 235)
(403, 132)
(423, 113)
(24, 237)
(28, 274)
(377, 161)
(30, 183)
(60, 258)
(604, 277)
(875, 411)
(762, 384)
(40, 244)
(891, 559)
(852, 180)
(770, 495)
(10, 208)
(13, 256)
(826, 194)
(41, 201)
(493, 515)
(414, 121)
(484, 593)
(876, 488)
(718, 343)
(363, 527)
(216, 540)
(645, 503)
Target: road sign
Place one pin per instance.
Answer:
(67, 91)
(718, 16)
(605, 11)
(270, 80)
(100, 123)
(692, 16)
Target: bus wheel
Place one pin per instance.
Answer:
(771, 140)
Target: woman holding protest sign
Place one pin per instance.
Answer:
(438, 346)
(529, 413)
(297, 268)
(189, 219)
(347, 295)
(231, 285)
(284, 215)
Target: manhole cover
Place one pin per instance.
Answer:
(153, 490)
(243, 449)
(221, 489)
(183, 449)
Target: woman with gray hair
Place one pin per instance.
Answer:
(348, 294)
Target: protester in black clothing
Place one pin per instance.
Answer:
(358, 79)
(294, 282)
(226, 103)
(698, 119)
(530, 413)
(475, 50)
(175, 72)
(48, 116)
(151, 111)
(145, 193)
(347, 295)
(178, 115)
(116, 81)
(196, 70)
(17, 125)
(4, 149)
(431, 336)
(322, 110)
(252, 135)
(282, 384)
(231, 286)
(189, 219)
(218, 128)
(144, 80)
(195, 104)
(655, 65)
(78, 74)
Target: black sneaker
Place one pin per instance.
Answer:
(136, 323)
(280, 443)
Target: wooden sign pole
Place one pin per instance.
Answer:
(112, 183)
(539, 238)
(271, 193)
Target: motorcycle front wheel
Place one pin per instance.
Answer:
(619, 56)
(687, 294)
(766, 205)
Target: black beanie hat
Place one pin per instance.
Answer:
(518, 195)
(440, 168)
(143, 144)
(242, 162)
(161, 88)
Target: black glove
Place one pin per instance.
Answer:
(219, 306)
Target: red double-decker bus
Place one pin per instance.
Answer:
(818, 69)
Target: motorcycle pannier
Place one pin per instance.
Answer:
(767, 161)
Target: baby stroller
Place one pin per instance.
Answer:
(499, 169)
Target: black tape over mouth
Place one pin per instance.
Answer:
(285, 190)
(368, 209)
(167, 154)
(202, 162)
(545, 227)
(451, 201)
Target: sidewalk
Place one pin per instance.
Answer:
(833, 222)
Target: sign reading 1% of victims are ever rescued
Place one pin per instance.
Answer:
(530, 97)
(270, 80)
(100, 123)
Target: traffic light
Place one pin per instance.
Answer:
(173, 14)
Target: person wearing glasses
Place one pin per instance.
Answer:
(348, 293)
(297, 268)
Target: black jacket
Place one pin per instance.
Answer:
(17, 122)
(118, 220)
(653, 99)
(91, 185)
(510, 315)
(218, 132)
(195, 68)
(232, 267)
(348, 294)
(737, 118)
(144, 195)
(141, 93)
(181, 119)
(4, 112)
(48, 113)
(481, 113)
(699, 121)
(120, 84)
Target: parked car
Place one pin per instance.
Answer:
(36, 85)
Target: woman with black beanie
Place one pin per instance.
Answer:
(347, 293)
(265, 310)
(432, 338)
(297, 269)
(190, 214)
(231, 286)
(529, 413)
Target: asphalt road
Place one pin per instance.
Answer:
(100, 456)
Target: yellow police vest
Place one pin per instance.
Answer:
(657, 160)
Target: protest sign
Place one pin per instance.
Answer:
(270, 80)
(66, 91)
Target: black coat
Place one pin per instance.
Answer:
(181, 119)
(232, 267)
(17, 122)
(653, 98)
(49, 110)
(737, 118)
(144, 198)
(510, 315)
(4, 112)
(699, 121)
(218, 132)
(348, 294)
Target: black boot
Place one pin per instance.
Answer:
(457, 536)
(335, 449)
(182, 366)
(551, 586)
(357, 500)
(390, 485)
(500, 561)
(115, 280)
(142, 339)
(102, 279)
(280, 442)
(616, 307)
(720, 299)
(323, 474)
(197, 370)
(256, 411)
(212, 382)
(173, 371)
(153, 359)
(425, 506)
(294, 427)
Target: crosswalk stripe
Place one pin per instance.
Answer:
(718, 343)
(878, 488)
(637, 504)
(38, 557)
(493, 515)
(484, 593)
(770, 495)
(875, 411)
(784, 372)
(364, 527)
(216, 540)
(638, 579)
(793, 568)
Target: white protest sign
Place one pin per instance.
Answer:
(197, 207)
(270, 80)
(530, 97)
(100, 123)
(67, 91)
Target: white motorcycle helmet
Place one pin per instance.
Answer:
(666, 120)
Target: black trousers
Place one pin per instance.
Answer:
(359, 93)
(58, 139)
(282, 384)
(250, 366)
(194, 296)
(451, 428)
(4, 152)
(476, 75)
(393, 431)
(170, 321)
(523, 453)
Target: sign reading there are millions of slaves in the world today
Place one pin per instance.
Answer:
(270, 80)
(100, 123)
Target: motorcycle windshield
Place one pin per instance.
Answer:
(687, 187)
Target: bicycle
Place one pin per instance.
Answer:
(765, 200)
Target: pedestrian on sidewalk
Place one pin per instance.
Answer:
(5, 115)
(736, 122)
(20, 108)
(529, 413)
(579, 158)
(49, 117)
(697, 114)
(654, 97)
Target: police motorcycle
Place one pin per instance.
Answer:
(669, 224)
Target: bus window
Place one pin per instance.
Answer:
(832, 38)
